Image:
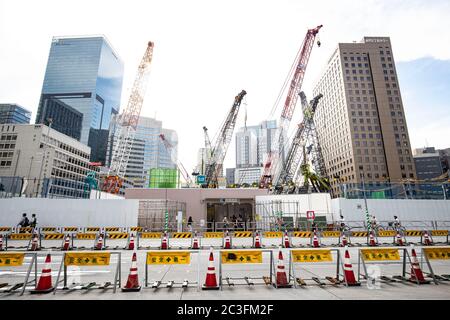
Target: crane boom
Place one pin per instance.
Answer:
(127, 123)
(178, 163)
(222, 143)
(277, 151)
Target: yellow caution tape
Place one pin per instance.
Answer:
(331, 234)
(48, 229)
(5, 228)
(242, 234)
(311, 255)
(116, 229)
(273, 234)
(360, 233)
(92, 229)
(87, 259)
(387, 233)
(213, 235)
(86, 236)
(172, 257)
(11, 259)
(20, 236)
(438, 233)
(241, 256)
(118, 235)
(181, 235)
(53, 236)
(413, 233)
(380, 254)
(137, 229)
(150, 235)
(437, 253)
(302, 234)
(71, 229)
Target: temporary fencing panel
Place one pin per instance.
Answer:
(92, 229)
(253, 257)
(116, 236)
(312, 257)
(437, 253)
(243, 239)
(213, 239)
(172, 258)
(441, 235)
(149, 235)
(52, 240)
(16, 260)
(297, 237)
(89, 259)
(91, 237)
(26, 237)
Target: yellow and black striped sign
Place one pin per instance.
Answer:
(183, 235)
(115, 229)
(118, 235)
(20, 236)
(413, 233)
(48, 229)
(53, 236)
(150, 235)
(137, 229)
(3, 229)
(302, 234)
(71, 229)
(360, 233)
(439, 233)
(92, 229)
(213, 235)
(26, 229)
(386, 233)
(331, 234)
(242, 234)
(273, 234)
(86, 236)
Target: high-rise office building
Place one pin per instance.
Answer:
(246, 149)
(360, 120)
(13, 113)
(86, 74)
(203, 160)
(428, 163)
(147, 152)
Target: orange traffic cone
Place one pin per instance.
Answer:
(416, 273)
(131, 243)
(398, 239)
(195, 241)
(344, 240)
(227, 244)
(282, 281)
(133, 280)
(45, 281)
(316, 243)
(426, 238)
(99, 245)
(348, 270)
(286, 242)
(257, 240)
(66, 244)
(1, 242)
(372, 239)
(164, 245)
(211, 281)
(35, 242)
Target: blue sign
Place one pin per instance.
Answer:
(201, 179)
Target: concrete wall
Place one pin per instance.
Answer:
(70, 212)
(385, 209)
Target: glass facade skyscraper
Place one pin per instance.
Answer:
(86, 74)
(13, 113)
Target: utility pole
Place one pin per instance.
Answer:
(369, 227)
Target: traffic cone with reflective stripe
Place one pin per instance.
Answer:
(131, 242)
(348, 270)
(286, 242)
(344, 240)
(66, 244)
(45, 281)
(398, 239)
(164, 245)
(99, 245)
(282, 281)
(195, 241)
(257, 240)
(426, 238)
(227, 244)
(133, 280)
(35, 242)
(372, 241)
(1, 242)
(211, 281)
(416, 272)
(316, 243)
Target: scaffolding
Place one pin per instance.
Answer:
(152, 214)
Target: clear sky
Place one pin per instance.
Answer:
(208, 51)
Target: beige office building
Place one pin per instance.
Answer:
(360, 120)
